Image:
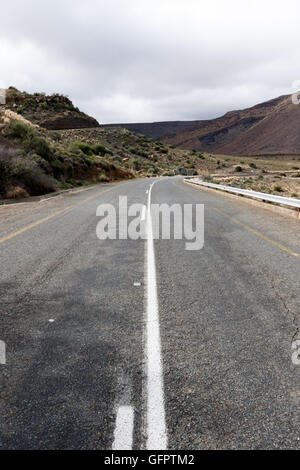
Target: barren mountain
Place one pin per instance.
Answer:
(272, 127)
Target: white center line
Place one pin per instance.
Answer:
(123, 436)
(156, 421)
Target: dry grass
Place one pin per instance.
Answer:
(269, 183)
(16, 192)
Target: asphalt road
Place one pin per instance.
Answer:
(76, 314)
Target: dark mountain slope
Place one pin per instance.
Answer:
(267, 128)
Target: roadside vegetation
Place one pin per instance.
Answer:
(35, 160)
(269, 182)
(33, 163)
(135, 153)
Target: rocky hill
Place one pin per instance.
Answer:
(50, 112)
(268, 128)
(36, 161)
(46, 144)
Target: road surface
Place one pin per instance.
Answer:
(79, 315)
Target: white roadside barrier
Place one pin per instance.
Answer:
(288, 202)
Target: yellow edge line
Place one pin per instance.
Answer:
(258, 234)
(39, 222)
(255, 232)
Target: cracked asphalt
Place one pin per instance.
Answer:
(73, 321)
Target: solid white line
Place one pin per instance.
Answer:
(156, 421)
(143, 214)
(123, 435)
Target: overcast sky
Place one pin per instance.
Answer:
(152, 60)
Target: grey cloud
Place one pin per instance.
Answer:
(145, 60)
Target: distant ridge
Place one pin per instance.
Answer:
(272, 127)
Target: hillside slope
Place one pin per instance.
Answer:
(272, 127)
(46, 144)
(53, 112)
(34, 161)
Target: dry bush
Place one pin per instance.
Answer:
(16, 192)
(39, 183)
(8, 158)
(103, 178)
(17, 170)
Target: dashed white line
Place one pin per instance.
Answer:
(156, 421)
(123, 436)
(143, 214)
(2, 353)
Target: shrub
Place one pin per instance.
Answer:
(136, 165)
(71, 182)
(208, 178)
(143, 154)
(39, 183)
(87, 149)
(278, 188)
(8, 158)
(252, 165)
(239, 169)
(73, 149)
(17, 170)
(56, 136)
(103, 178)
(39, 146)
(18, 130)
(30, 139)
(101, 150)
(16, 192)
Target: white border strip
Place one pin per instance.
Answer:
(156, 422)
